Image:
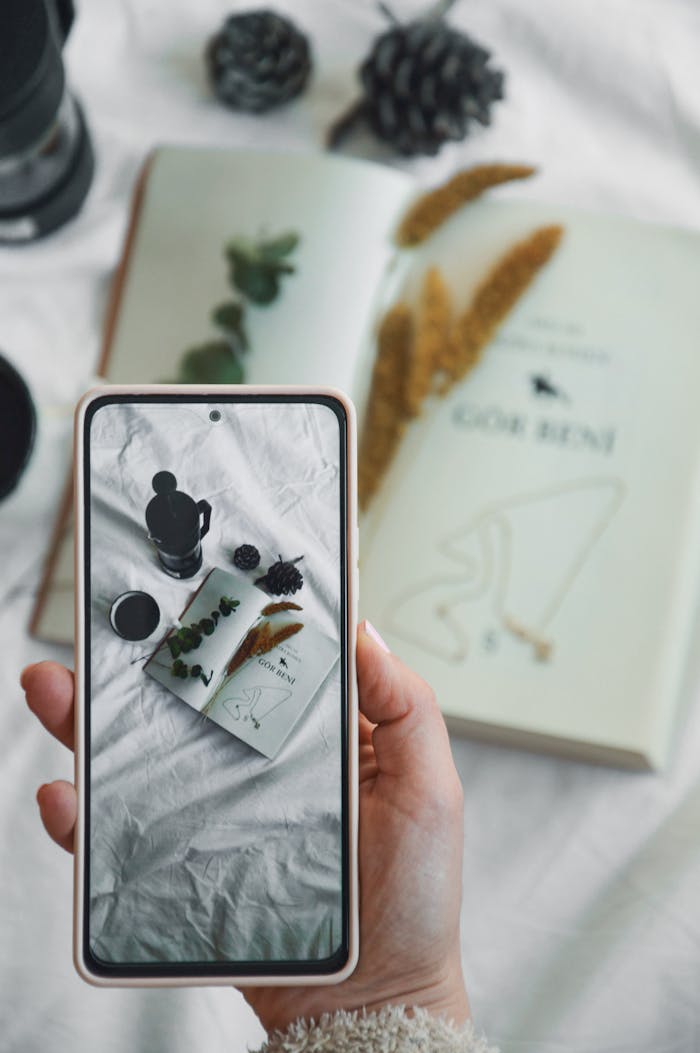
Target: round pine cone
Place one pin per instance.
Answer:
(246, 557)
(258, 60)
(424, 83)
(283, 578)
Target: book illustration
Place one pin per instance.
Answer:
(257, 667)
(543, 387)
(518, 559)
(255, 703)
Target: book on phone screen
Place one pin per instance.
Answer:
(249, 663)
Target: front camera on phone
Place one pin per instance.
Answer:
(215, 416)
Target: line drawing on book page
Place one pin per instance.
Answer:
(518, 560)
(255, 703)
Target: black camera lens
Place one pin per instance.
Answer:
(215, 416)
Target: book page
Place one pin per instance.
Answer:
(527, 552)
(261, 701)
(196, 201)
(218, 617)
(318, 331)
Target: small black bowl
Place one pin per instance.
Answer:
(17, 427)
(134, 615)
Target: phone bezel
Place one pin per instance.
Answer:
(327, 971)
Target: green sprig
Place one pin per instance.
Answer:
(256, 270)
(257, 267)
(210, 363)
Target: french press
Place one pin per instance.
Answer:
(176, 525)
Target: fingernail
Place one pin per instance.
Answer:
(40, 791)
(23, 674)
(372, 632)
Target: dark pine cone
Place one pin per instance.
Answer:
(258, 60)
(283, 578)
(424, 82)
(246, 557)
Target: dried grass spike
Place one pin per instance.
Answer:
(262, 642)
(245, 649)
(497, 295)
(283, 605)
(432, 334)
(386, 408)
(432, 209)
(271, 640)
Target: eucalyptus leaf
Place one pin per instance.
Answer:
(258, 282)
(210, 363)
(240, 247)
(283, 268)
(280, 246)
(228, 315)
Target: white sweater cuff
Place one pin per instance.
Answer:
(389, 1030)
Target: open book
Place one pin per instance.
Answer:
(533, 550)
(250, 664)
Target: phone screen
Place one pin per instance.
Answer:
(216, 685)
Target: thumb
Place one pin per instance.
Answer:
(410, 738)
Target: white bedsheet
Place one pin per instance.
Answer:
(581, 923)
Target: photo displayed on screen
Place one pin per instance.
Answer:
(215, 549)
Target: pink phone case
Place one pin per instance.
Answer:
(80, 700)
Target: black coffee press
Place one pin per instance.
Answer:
(173, 521)
(46, 159)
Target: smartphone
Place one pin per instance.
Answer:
(216, 710)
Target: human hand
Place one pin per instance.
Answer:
(410, 807)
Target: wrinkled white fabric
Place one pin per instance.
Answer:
(203, 849)
(581, 923)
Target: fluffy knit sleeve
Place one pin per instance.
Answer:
(390, 1030)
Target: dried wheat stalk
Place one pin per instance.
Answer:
(269, 640)
(259, 640)
(432, 333)
(432, 354)
(245, 649)
(432, 209)
(494, 298)
(386, 411)
(283, 605)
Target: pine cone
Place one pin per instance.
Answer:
(246, 557)
(424, 83)
(282, 578)
(258, 60)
